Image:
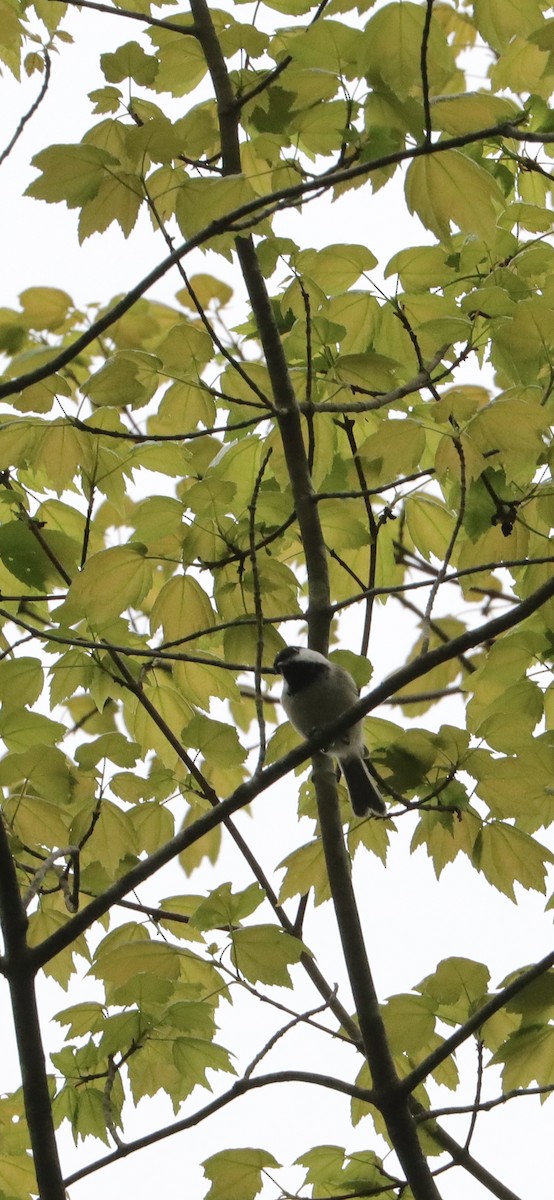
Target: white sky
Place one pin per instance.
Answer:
(411, 921)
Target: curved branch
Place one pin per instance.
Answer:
(252, 788)
(460, 1110)
(240, 1088)
(36, 104)
(257, 210)
(187, 30)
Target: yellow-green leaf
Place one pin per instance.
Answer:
(182, 63)
(17, 1176)
(110, 582)
(237, 1174)
(263, 954)
(130, 377)
(20, 729)
(60, 451)
(528, 1056)
(70, 173)
(201, 201)
(21, 681)
(217, 741)
(45, 307)
(386, 49)
(457, 985)
(182, 608)
(127, 959)
(118, 198)
(174, 712)
(22, 553)
(430, 525)
(186, 350)
(394, 450)
(475, 110)
(129, 62)
(498, 20)
(193, 1056)
(305, 869)
(507, 856)
(451, 189)
(336, 267)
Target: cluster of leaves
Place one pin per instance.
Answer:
(152, 544)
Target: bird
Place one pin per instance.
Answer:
(315, 693)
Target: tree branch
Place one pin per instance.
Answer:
(485, 1106)
(32, 110)
(397, 1116)
(187, 30)
(424, 64)
(462, 1158)
(240, 1088)
(252, 788)
(391, 1102)
(475, 1022)
(19, 971)
(257, 209)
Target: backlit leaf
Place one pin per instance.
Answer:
(182, 608)
(497, 21)
(23, 555)
(70, 173)
(476, 110)
(194, 1056)
(387, 51)
(507, 856)
(263, 953)
(451, 189)
(92, 594)
(305, 869)
(21, 681)
(129, 62)
(528, 1057)
(237, 1174)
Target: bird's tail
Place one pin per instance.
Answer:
(364, 795)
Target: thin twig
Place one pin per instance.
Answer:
(545, 1089)
(374, 526)
(36, 103)
(187, 436)
(187, 30)
(39, 875)
(478, 1092)
(436, 628)
(111, 1077)
(425, 70)
(258, 611)
(281, 1033)
(441, 574)
(274, 74)
(212, 334)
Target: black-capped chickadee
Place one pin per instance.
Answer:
(316, 692)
